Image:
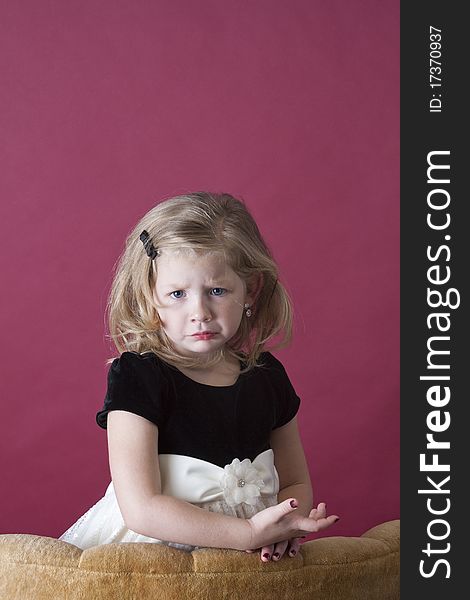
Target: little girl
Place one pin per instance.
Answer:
(204, 449)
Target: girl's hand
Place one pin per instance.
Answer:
(271, 522)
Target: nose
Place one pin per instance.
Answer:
(200, 311)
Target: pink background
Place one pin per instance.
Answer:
(109, 106)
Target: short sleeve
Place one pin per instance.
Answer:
(287, 400)
(135, 384)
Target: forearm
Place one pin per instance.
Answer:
(302, 492)
(170, 519)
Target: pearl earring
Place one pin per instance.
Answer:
(248, 311)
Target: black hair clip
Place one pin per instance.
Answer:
(152, 252)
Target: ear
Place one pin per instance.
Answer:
(254, 285)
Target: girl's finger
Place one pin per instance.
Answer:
(321, 510)
(279, 550)
(312, 525)
(294, 545)
(267, 553)
(328, 522)
(313, 513)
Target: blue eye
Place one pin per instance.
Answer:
(220, 291)
(176, 292)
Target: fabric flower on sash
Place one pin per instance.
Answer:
(241, 482)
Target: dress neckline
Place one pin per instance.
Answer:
(208, 385)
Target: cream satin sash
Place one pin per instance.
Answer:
(196, 480)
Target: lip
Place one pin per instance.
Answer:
(204, 334)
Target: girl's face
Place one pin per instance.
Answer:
(198, 293)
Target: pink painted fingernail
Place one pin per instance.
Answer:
(294, 504)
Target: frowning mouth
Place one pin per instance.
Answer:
(204, 334)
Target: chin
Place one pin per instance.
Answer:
(204, 347)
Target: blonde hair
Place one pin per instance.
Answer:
(207, 223)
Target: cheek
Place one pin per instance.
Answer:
(171, 316)
(233, 315)
(165, 316)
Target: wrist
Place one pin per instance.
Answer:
(247, 537)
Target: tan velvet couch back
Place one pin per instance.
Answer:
(335, 568)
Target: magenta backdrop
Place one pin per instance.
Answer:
(108, 106)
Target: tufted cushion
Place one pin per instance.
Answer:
(354, 568)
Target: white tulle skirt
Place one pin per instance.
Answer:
(191, 480)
